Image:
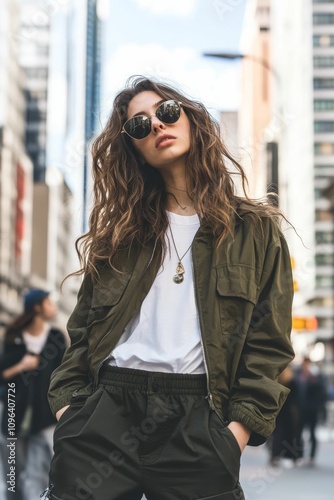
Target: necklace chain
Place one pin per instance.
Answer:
(183, 208)
(178, 277)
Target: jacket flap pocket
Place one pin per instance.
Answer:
(237, 281)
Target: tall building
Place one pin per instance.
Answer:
(83, 55)
(39, 37)
(291, 41)
(303, 55)
(34, 38)
(51, 242)
(15, 170)
(283, 128)
(92, 97)
(256, 133)
(323, 124)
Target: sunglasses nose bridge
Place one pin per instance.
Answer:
(156, 123)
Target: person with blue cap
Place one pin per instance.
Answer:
(32, 350)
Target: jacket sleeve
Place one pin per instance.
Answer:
(73, 374)
(257, 397)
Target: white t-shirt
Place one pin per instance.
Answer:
(35, 343)
(165, 335)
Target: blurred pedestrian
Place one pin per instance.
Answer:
(313, 395)
(32, 350)
(285, 442)
(183, 318)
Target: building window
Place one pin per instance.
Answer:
(323, 215)
(36, 72)
(323, 61)
(34, 157)
(324, 148)
(324, 237)
(324, 259)
(325, 322)
(324, 171)
(32, 137)
(318, 193)
(37, 95)
(323, 83)
(323, 18)
(324, 105)
(324, 282)
(323, 40)
(35, 115)
(323, 127)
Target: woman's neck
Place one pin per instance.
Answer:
(181, 205)
(177, 197)
(37, 327)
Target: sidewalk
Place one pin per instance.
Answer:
(261, 481)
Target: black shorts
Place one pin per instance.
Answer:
(146, 433)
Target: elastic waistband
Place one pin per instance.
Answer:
(142, 380)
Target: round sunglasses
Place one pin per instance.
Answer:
(140, 126)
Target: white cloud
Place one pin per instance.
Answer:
(218, 88)
(173, 7)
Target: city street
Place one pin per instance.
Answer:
(263, 482)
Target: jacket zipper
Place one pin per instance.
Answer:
(209, 395)
(96, 378)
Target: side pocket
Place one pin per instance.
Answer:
(76, 403)
(234, 440)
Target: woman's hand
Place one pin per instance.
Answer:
(28, 362)
(61, 411)
(241, 434)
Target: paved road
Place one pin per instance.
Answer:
(263, 482)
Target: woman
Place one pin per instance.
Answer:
(183, 318)
(32, 350)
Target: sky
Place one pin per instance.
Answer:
(166, 39)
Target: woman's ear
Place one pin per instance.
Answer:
(38, 308)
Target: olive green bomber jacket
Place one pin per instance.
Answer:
(243, 293)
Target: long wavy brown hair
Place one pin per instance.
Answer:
(130, 198)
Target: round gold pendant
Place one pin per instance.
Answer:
(178, 278)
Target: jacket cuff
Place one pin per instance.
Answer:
(58, 403)
(261, 428)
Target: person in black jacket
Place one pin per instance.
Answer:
(285, 441)
(32, 350)
(313, 392)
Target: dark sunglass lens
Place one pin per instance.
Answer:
(138, 127)
(169, 112)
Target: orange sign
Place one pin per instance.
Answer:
(309, 323)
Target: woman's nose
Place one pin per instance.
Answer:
(156, 124)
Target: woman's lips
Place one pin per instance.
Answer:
(164, 141)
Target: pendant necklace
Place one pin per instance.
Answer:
(178, 277)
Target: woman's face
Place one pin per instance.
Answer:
(174, 147)
(47, 309)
